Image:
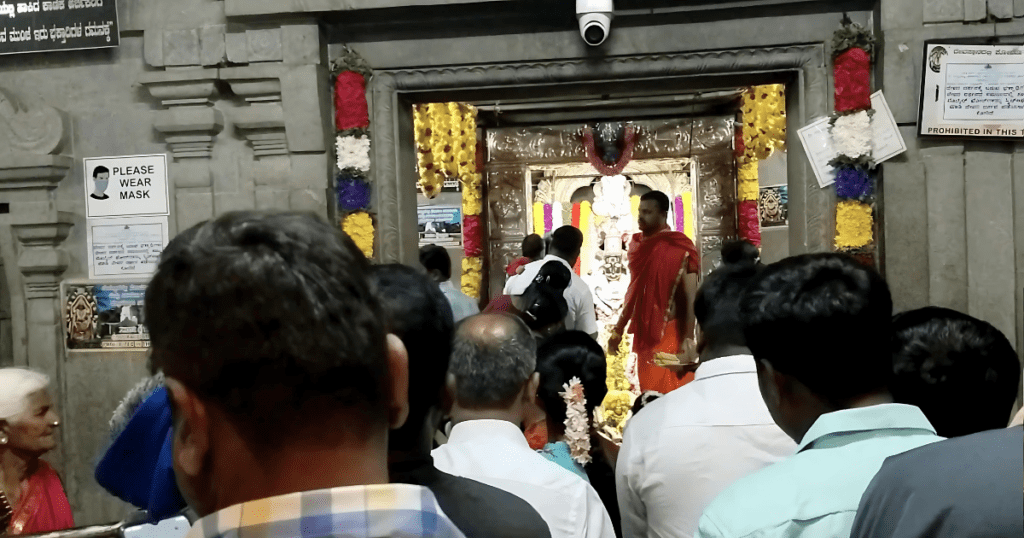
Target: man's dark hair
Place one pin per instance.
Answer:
(100, 170)
(659, 198)
(271, 317)
(961, 371)
(436, 257)
(566, 241)
(418, 314)
(562, 357)
(533, 246)
(492, 372)
(717, 303)
(824, 319)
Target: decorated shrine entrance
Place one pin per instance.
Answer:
(484, 185)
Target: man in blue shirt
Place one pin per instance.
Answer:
(819, 327)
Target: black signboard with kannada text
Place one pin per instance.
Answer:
(50, 25)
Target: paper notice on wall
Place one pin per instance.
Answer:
(972, 91)
(888, 140)
(817, 144)
(129, 246)
(817, 141)
(129, 186)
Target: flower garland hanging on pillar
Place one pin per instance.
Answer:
(763, 131)
(852, 47)
(465, 166)
(352, 144)
(446, 149)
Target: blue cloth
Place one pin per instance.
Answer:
(815, 493)
(138, 466)
(560, 454)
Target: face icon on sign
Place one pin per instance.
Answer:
(100, 179)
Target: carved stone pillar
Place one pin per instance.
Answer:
(189, 125)
(27, 182)
(41, 262)
(284, 123)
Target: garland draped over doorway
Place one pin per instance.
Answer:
(762, 133)
(446, 149)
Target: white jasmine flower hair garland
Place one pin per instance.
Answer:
(577, 423)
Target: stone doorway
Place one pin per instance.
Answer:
(393, 92)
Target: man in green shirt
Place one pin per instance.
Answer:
(819, 327)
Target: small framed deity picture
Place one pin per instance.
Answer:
(972, 91)
(104, 316)
(773, 206)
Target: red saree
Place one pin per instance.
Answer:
(657, 265)
(43, 506)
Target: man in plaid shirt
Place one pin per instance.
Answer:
(283, 383)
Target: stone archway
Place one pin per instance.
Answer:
(394, 91)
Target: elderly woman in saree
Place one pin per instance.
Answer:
(32, 498)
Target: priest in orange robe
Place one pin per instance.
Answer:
(659, 301)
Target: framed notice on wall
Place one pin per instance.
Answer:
(104, 315)
(972, 91)
(51, 25)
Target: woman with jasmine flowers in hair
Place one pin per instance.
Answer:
(572, 383)
(32, 498)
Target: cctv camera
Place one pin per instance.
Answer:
(595, 18)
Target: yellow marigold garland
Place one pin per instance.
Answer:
(472, 276)
(472, 181)
(454, 136)
(764, 121)
(440, 136)
(587, 251)
(688, 212)
(466, 150)
(538, 218)
(430, 181)
(359, 226)
(854, 225)
(749, 186)
(619, 400)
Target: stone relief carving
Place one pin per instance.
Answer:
(29, 126)
(655, 139)
(506, 202)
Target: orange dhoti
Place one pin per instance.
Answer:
(654, 377)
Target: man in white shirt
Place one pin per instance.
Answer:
(684, 449)
(565, 247)
(439, 266)
(493, 385)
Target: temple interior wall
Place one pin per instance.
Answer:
(953, 211)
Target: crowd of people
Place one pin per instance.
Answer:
(298, 390)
